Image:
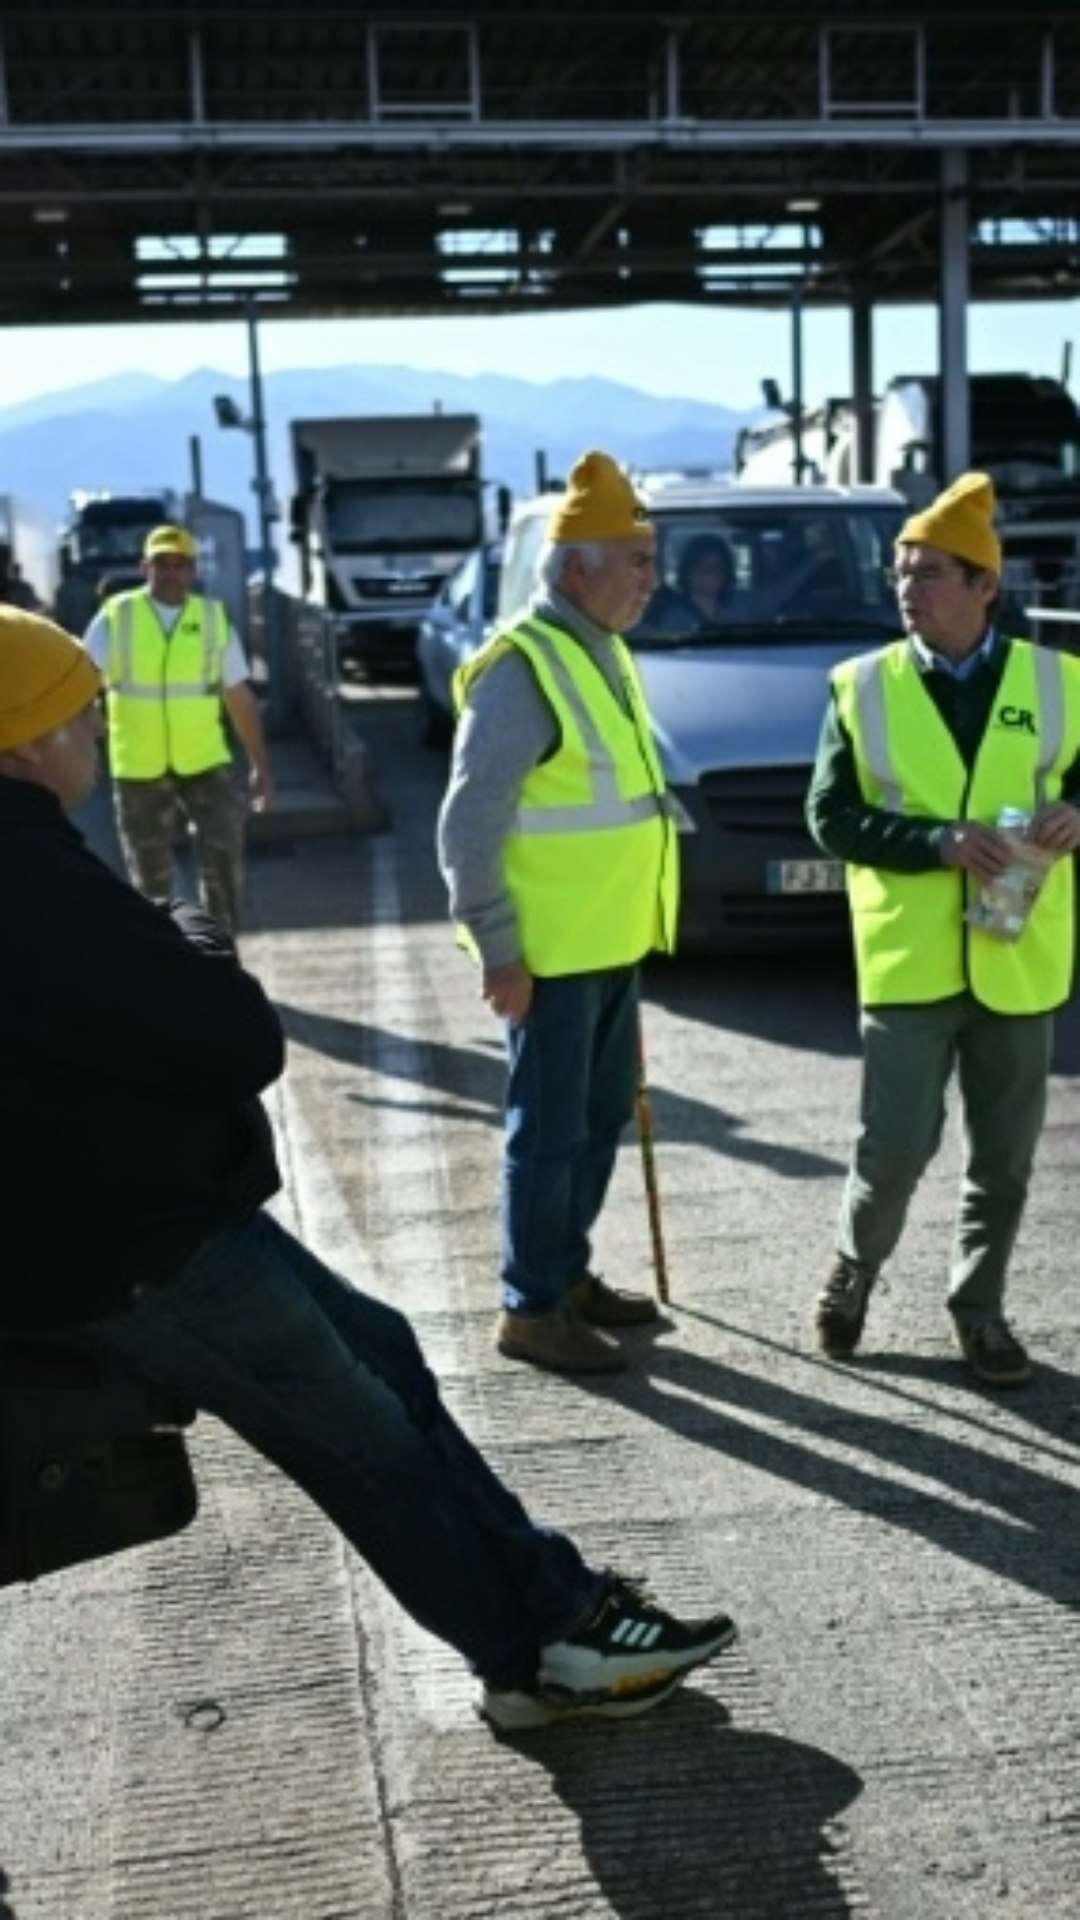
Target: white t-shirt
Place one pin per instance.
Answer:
(234, 667)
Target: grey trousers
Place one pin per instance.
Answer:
(148, 814)
(1002, 1063)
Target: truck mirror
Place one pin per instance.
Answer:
(505, 500)
(772, 395)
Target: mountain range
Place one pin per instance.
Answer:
(133, 431)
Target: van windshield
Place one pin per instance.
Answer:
(764, 573)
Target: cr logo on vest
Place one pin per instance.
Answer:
(1018, 719)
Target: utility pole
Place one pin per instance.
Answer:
(271, 622)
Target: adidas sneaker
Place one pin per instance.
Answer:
(625, 1648)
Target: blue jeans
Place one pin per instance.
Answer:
(573, 1070)
(332, 1387)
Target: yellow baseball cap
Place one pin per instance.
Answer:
(599, 503)
(169, 540)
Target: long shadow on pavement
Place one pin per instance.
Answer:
(1050, 1402)
(698, 1816)
(477, 1075)
(799, 1000)
(1033, 1544)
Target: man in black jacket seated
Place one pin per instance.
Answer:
(133, 1049)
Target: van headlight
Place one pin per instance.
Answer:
(678, 813)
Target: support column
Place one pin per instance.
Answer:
(798, 462)
(862, 389)
(272, 637)
(955, 449)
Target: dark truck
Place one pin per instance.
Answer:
(102, 542)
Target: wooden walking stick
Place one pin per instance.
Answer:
(643, 1117)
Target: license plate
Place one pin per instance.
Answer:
(805, 876)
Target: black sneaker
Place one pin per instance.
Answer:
(627, 1647)
(841, 1306)
(994, 1353)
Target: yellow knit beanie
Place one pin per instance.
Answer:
(960, 521)
(46, 677)
(599, 504)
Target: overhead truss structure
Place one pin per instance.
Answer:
(161, 159)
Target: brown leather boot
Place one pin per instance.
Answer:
(593, 1300)
(556, 1341)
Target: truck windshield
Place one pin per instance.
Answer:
(771, 574)
(405, 516)
(116, 538)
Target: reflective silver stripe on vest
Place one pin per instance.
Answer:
(215, 638)
(585, 819)
(121, 664)
(870, 705)
(121, 656)
(607, 808)
(1049, 680)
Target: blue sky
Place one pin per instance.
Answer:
(714, 354)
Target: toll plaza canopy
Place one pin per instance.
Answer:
(159, 160)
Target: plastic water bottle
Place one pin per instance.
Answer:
(1002, 905)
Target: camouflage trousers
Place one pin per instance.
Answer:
(148, 819)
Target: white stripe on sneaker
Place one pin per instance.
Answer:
(636, 1633)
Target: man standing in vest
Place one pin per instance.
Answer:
(924, 744)
(561, 863)
(172, 663)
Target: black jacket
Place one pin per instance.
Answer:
(132, 1051)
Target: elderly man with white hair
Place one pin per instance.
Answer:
(562, 867)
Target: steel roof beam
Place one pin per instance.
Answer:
(608, 137)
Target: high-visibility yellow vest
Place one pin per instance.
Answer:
(591, 862)
(912, 943)
(163, 698)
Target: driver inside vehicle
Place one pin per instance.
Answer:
(705, 585)
(707, 576)
(706, 593)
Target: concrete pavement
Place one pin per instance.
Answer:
(239, 1722)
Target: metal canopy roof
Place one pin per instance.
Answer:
(159, 160)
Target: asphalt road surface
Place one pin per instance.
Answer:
(896, 1734)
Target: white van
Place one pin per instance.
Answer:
(761, 591)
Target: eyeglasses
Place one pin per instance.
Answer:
(898, 577)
